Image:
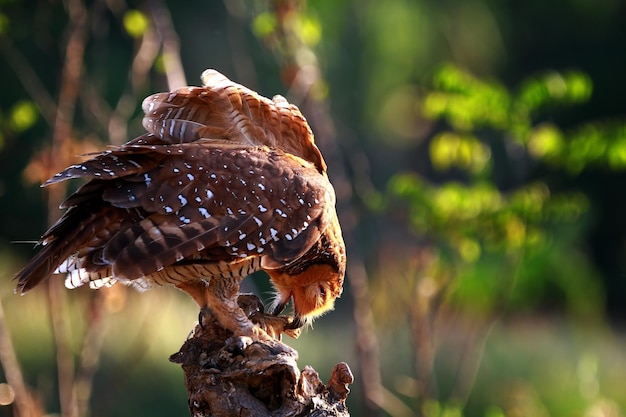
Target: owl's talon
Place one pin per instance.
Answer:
(295, 324)
(200, 316)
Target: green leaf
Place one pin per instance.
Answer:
(23, 115)
(135, 23)
(264, 25)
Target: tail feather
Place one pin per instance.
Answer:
(43, 264)
(77, 227)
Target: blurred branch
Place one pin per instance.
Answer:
(31, 82)
(90, 353)
(475, 350)
(423, 315)
(25, 404)
(242, 60)
(61, 329)
(68, 95)
(142, 63)
(171, 45)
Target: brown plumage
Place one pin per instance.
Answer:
(224, 183)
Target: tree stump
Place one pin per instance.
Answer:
(235, 376)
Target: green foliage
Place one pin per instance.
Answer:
(4, 24)
(22, 116)
(489, 238)
(19, 118)
(459, 150)
(264, 24)
(135, 23)
(468, 104)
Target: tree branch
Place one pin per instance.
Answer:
(235, 376)
(25, 403)
(171, 45)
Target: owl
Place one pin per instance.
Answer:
(223, 183)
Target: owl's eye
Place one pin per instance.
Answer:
(322, 291)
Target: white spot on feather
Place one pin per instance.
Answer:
(204, 212)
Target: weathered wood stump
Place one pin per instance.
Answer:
(235, 376)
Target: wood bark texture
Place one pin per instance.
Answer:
(229, 376)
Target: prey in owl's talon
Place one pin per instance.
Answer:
(250, 304)
(274, 326)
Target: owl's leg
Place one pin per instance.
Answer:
(219, 295)
(196, 289)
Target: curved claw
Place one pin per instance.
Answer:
(297, 323)
(200, 317)
(278, 308)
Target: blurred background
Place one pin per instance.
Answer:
(478, 149)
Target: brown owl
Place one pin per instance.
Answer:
(224, 183)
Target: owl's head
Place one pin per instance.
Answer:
(313, 292)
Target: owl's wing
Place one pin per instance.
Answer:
(173, 203)
(222, 110)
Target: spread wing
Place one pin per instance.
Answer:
(223, 173)
(227, 111)
(148, 206)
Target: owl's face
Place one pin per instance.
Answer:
(313, 292)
